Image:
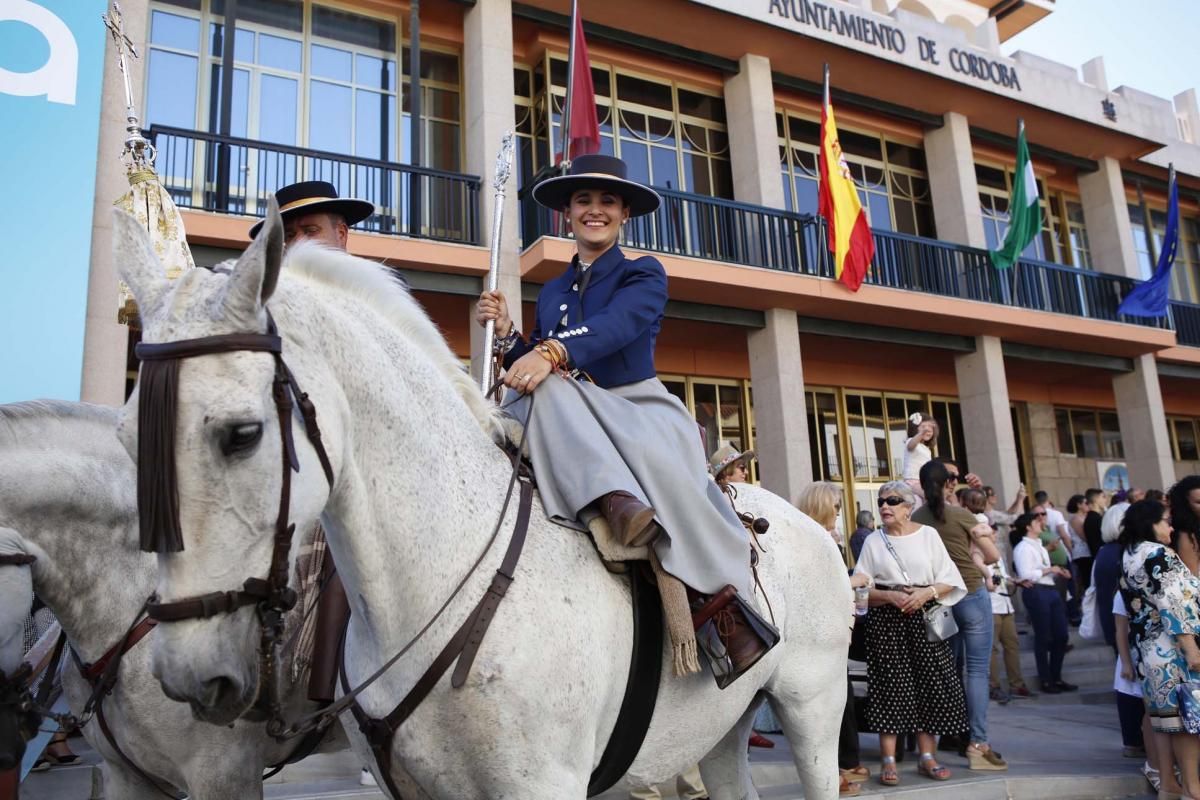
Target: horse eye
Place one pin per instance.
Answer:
(240, 438)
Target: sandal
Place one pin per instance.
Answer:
(859, 774)
(928, 767)
(887, 772)
(848, 789)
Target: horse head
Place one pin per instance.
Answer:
(213, 449)
(18, 722)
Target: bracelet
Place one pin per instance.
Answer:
(502, 344)
(935, 592)
(553, 351)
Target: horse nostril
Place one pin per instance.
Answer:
(216, 689)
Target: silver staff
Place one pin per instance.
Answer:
(503, 167)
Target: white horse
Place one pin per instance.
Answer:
(419, 484)
(16, 598)
(69, 487)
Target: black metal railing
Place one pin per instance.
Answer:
(698, 226)
(1185, 318)
(723, 230)
(236, 176)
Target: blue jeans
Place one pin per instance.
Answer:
(973, 647)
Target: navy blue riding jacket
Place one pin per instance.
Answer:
(611, 337)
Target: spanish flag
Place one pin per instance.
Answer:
(849, 234)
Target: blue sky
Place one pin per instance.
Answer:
(1148, 44)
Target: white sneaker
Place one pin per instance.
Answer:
(366, 778)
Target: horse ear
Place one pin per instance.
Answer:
(256, 273)
(137, 263)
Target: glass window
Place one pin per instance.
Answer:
(1110, 435)
(331, 62)
(1066, 441)
(171, 89)
(354, 29)
(1183, 431)
(995, 186)
(823, 435)
(891, 179)
(174, 31)
(279, 53)
(1087, 438)
(285, 14)
(1185, 275)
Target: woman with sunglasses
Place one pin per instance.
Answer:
(914, 684)
(1045, 605)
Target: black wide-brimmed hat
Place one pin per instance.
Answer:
(596, 172)
(309, 197)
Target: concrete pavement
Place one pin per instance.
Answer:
(1063, 747)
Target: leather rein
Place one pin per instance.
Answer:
(271, 596)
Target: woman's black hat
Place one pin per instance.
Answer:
(309, 197)
(596, 172)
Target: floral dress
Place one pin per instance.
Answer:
(1163, 599)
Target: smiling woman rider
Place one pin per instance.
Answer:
(604, 430)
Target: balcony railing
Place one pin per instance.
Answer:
(237, 176)
(699, 226)
(1185, 318)
(723, 230)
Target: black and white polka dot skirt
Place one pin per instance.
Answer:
(914, 685)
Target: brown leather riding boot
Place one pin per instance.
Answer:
(631, 520)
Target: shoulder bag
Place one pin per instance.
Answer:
(939, 619)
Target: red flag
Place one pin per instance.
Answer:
(584, 133)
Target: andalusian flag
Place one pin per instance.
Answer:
(849, 234)
(1025, 214)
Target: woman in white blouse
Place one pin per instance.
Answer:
(1047, 611)
(913, 683)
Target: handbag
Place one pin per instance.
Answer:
(1089, 627)
(1187, 694)
(939, 619)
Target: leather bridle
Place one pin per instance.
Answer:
(271, 596)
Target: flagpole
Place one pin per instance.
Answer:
(825, 90)
(1017, 261)
(566, 115)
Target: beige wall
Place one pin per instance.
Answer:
(1058, 475)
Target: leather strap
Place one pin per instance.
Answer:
(112, 742)
(641, 687)
(380, 732)
(209, 345)
(16, 559)
(94, 671)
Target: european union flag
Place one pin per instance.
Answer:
(1149, 299)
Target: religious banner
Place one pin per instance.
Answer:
(51, 68)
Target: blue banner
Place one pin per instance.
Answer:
(1149, 299)
(51, 69)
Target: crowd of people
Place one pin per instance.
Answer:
(948, 571)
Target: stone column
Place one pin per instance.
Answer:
(488, 89)
(952, 183)
(1106, 212)
(753, 139)
(779, 413)
(104, 339)
(987, 420)
(1144, 425)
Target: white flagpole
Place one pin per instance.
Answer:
(504, 161)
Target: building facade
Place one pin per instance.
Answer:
(716, 103)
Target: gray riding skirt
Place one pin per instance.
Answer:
(585, 442)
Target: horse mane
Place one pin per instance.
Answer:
(17, 420)
(376, 286)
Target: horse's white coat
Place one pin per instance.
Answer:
(68, 486)
(418, 488)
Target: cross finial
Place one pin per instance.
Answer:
(136, 145)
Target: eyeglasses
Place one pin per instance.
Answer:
(890, 500)
(953, 476)
(1039, 513)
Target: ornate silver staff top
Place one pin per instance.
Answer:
(504, 161)
(137, 148)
